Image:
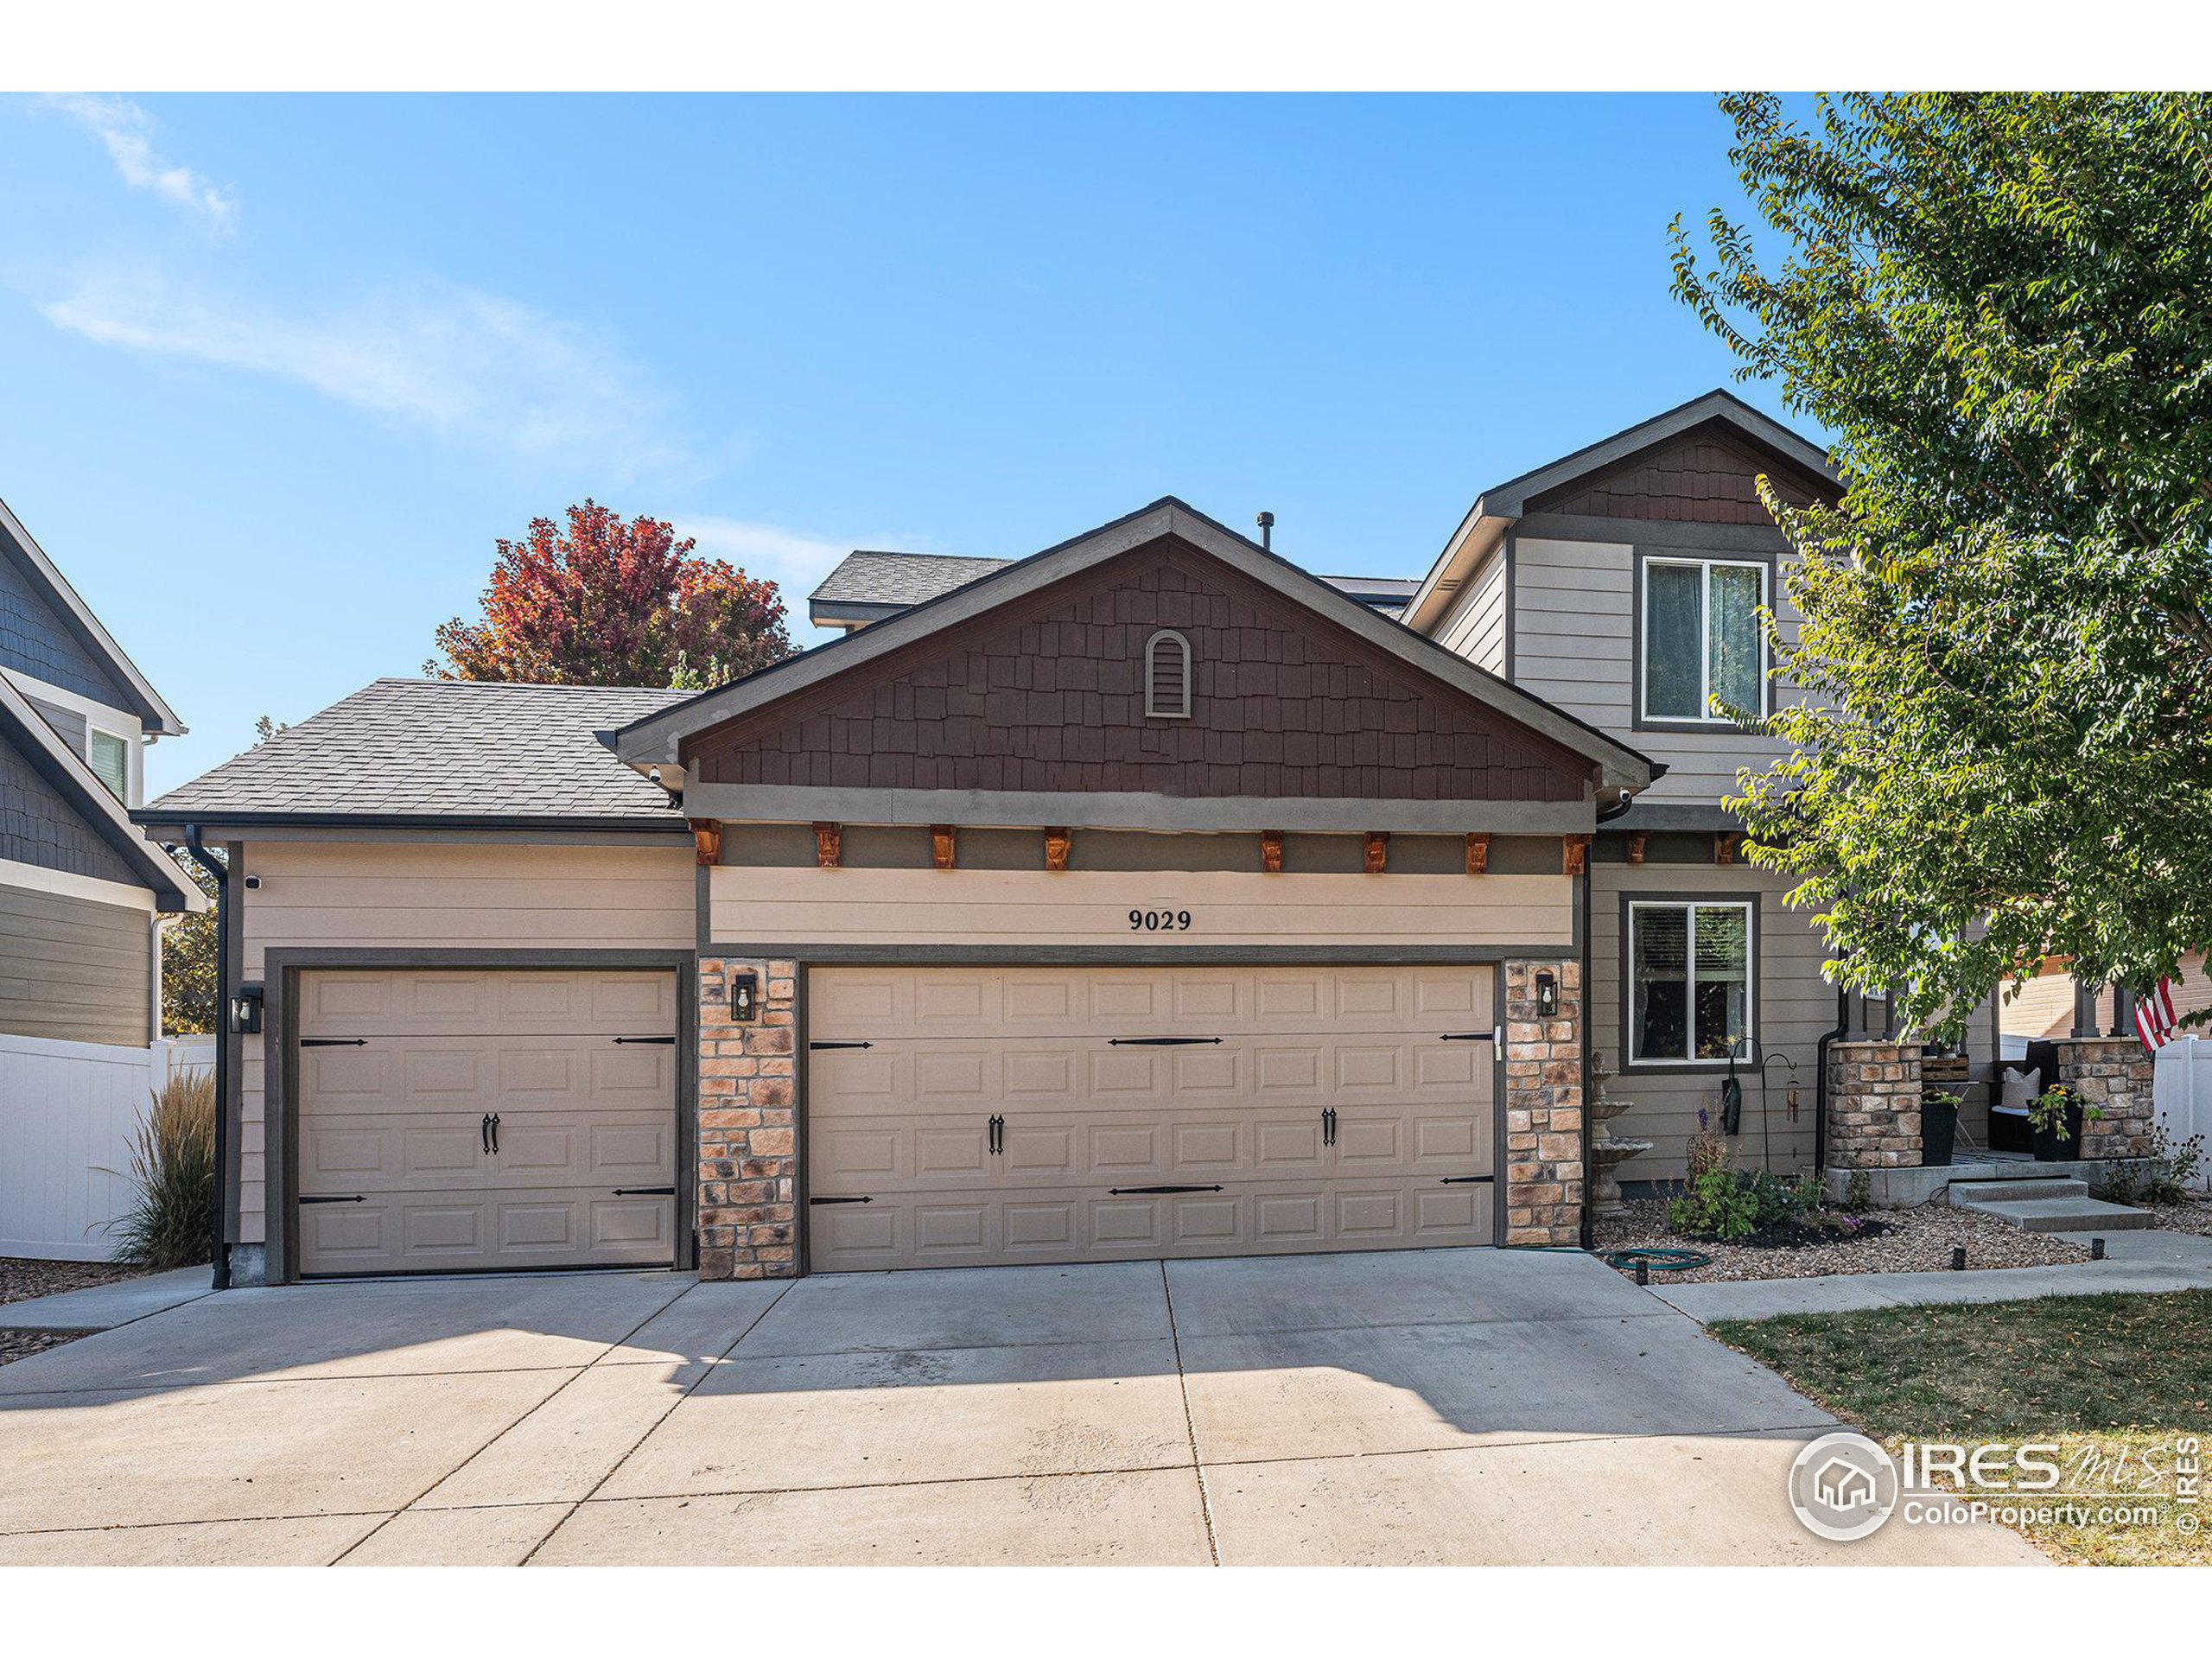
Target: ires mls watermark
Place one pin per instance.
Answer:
(1846, 1486)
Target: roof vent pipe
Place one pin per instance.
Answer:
(1267, 531)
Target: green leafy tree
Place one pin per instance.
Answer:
(2000, 307)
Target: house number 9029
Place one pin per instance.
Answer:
(1160, 921)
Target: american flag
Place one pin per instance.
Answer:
(2154, 1015)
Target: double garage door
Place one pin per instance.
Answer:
(450, 1121)
(973, 1115)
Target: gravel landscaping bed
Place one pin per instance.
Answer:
(2183, 1217)
(1918, 1241)
(22, 1344)
(23, 1277)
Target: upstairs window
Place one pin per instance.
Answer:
(110, 759)
(1167, 677)
(1689, 982)
(1701, 638)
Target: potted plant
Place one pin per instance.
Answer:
(1939, 1127)
(2055, 1121)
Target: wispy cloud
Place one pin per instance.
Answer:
(433, 354)
(127, 131)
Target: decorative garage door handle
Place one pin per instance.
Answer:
(334, 1042)
(996, 1127)
(1159, 1042)
(1328, 1126)
(1122, 1192)
(354, 1197)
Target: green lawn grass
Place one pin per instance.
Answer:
(2111, 1372)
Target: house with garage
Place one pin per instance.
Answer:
(82, 890)
(1144, 897)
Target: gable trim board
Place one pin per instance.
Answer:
(45, 750)
(91, 632)
(661, 739)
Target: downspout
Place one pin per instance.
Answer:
(221, 873)
(1820, 1079)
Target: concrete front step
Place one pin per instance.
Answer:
(2056, 1215)
(2013, 1190)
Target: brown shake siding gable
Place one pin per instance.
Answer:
(1049, 697)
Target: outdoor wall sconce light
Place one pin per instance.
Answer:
(245, 1011)
(744, 998)
(1547, 994)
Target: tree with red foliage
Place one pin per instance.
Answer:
(611, 603)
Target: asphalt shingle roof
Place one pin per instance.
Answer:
(442, 749)
(866, 578)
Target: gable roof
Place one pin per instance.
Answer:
(656, 739)
(41, 745)
(440, 754)
(869, 587)
(1498, 506)
(17, 545)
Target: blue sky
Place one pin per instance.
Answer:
(280, 369)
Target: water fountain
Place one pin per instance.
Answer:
(1608, 1151)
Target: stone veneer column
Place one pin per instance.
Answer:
(1543, 1108)
(2112, 1073)
(1874, 1105)
(748, 1125)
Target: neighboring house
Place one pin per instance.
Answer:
(1146, 897)
(82, 891)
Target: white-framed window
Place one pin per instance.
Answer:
(108, 753)
(1701, 638)
(1690, 981)
(1167, 677)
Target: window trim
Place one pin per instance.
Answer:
(1152, 709)
(1625, 1035)
(1643, 719)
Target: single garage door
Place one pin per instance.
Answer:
(451, 1120)
(973, 1115)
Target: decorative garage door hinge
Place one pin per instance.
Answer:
(644, 1192)
(864, 1200)
(1466, 1181)
(1469, 1037)
(354, 1197)
(334, 1042)
(817, 1045)
(666, 1041)
(1124, 1191)
(1160, 1042)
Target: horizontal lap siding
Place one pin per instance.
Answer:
(1475, 626)
(1019, 908)
(1574, 643)
(364, 895)
(1794, 1008)
(74, 969)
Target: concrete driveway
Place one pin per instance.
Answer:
(1446, 1406)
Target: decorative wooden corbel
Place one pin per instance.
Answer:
(1271, 851)
(1573, 855)
(707, 840)
(1056, 845)
(1635, 846)
(1376, 851)
(941, 845)
(1725, 845)
(1478, 853)
(828, 845)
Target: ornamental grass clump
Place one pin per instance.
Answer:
(171, 1220)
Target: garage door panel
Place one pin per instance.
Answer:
(397, 1072)
(1230, 1106)
(449, 1001)
(1087, 1225)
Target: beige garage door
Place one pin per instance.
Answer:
(451, 1120)
(971, 1115)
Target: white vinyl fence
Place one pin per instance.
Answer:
(2182, 1098)
(68, 1114)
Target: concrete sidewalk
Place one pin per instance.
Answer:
(103, 1307)
(2145, 1263)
